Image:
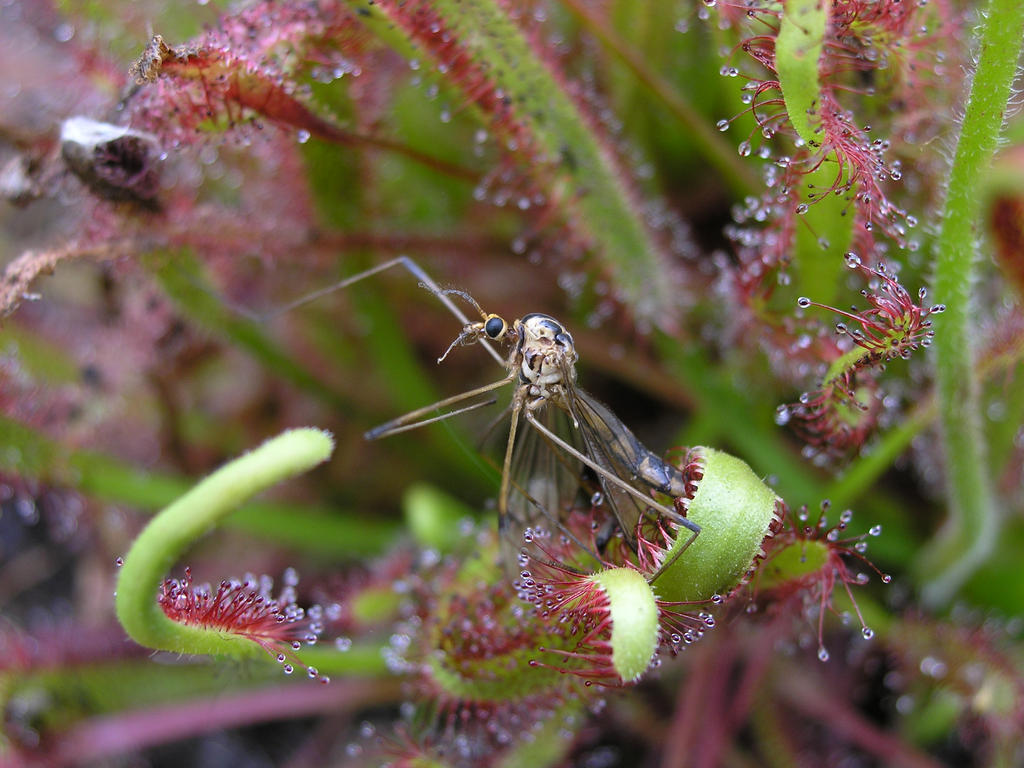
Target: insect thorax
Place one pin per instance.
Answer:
(547, 356)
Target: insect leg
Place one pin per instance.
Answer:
(618, 481)
(675, 555)
(610, 477)
(506, 464)
(414, 419)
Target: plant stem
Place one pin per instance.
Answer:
(167, 535)
(102, 738)
(969, 534)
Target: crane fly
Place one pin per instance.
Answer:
(558, 432)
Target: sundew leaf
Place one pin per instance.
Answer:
(526, 105)
(797, 50)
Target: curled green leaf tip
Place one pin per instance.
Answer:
(735, 509)
(162, 542)
(634, 614)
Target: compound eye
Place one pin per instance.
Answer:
(494, 327)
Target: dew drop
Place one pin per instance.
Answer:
(852, 260)
(803, 302)
(722, 125)
(886, 578)
(875, 530)
(801, 209)
(867, 633)
(119, 562)
(302, 136)
(822, 653)
(744, 148)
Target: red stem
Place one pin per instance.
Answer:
(819, 704)
(103, 737)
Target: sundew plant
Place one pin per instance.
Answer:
(785, 244)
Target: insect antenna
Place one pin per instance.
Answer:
(425, 282)
(462, 295)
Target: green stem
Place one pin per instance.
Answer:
(168, 534)
(969, 534)
(860, 476)
(822, 235)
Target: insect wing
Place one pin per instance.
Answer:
(546, 484)
(610, 444)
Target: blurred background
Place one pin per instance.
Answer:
(597, 161)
